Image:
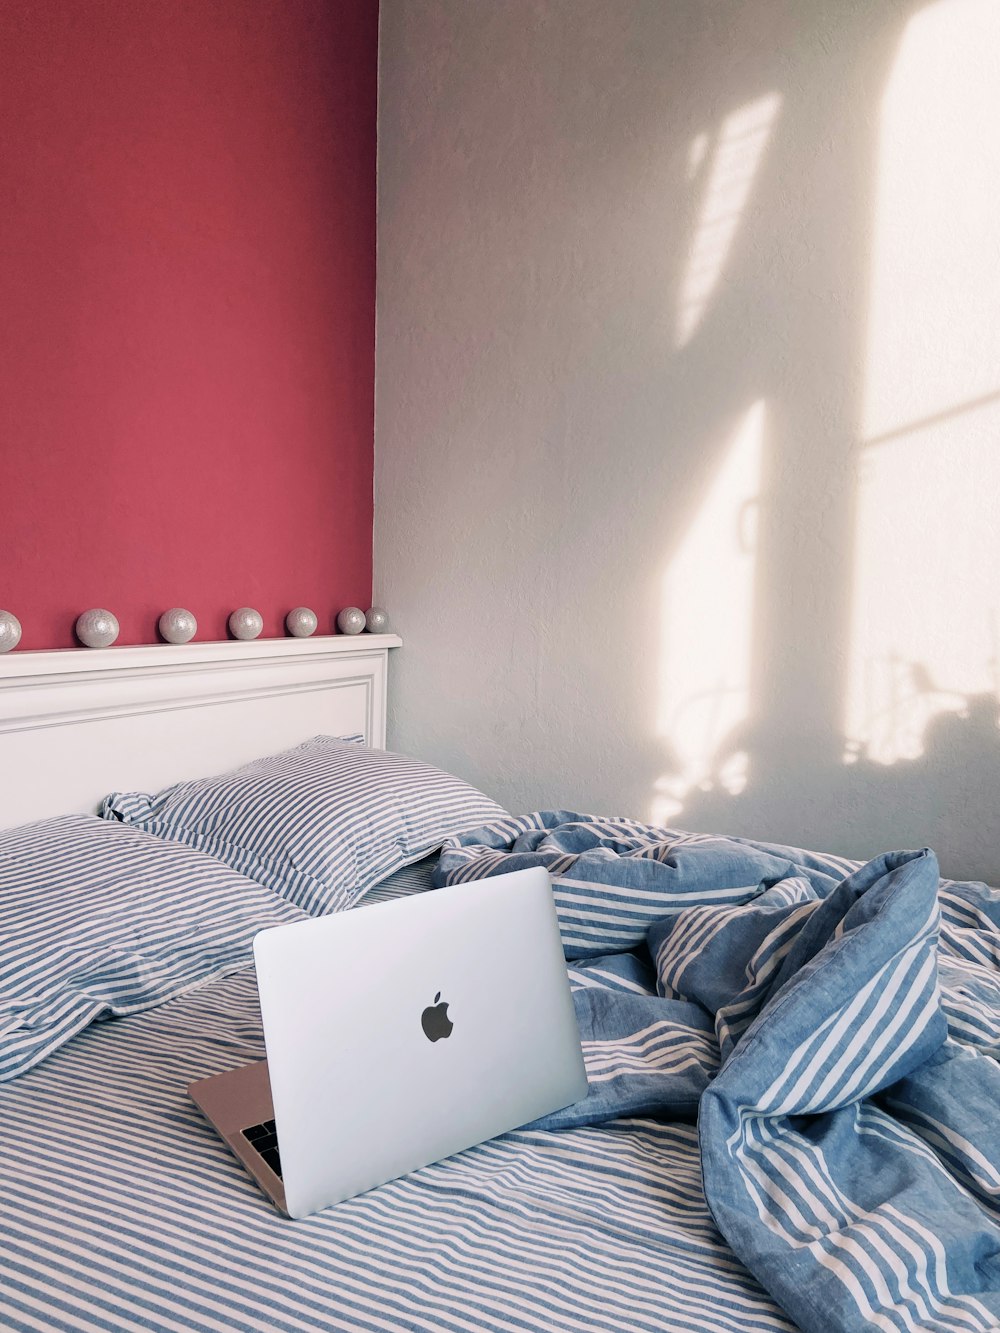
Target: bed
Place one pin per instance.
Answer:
(122, 1210)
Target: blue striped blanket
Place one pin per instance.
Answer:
(834, 1028)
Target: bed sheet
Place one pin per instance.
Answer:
(120, 1209)
(415, 878)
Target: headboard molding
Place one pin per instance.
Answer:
(78, 723)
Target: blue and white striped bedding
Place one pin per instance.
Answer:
(835, 1027)
(99, 919)
(319, 824)
(120, 1209)
(415, 878)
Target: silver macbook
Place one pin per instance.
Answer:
(398, 1034)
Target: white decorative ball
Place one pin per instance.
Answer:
(301, 622)
(178, 625)
(97, 628)
(351, 620)
(10, 631)
(245, 623)
(376, 621)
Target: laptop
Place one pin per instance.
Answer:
(397, 1034)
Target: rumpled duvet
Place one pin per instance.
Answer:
(833, 1027)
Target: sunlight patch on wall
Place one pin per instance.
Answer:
(696, 153)
(926, 605)
(706, 630)
(926, 596)
(733, 166)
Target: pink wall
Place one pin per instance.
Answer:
(187, 291)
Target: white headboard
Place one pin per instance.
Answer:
(79, 723)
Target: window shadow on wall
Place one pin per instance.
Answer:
(829, 655)
(687, 411)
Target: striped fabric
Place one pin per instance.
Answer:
(320, 823)
(415, 878)
(97, 919)
(612, 878)
(834, 1027)
(833, 1030)
(121, 1210)
(847, 1137)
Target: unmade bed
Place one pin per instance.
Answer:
(792, 1058)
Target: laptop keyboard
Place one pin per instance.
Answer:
(263, 1139)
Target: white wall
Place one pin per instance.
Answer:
(686, 416)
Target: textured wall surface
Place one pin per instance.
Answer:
(686, 411)
(187, 286)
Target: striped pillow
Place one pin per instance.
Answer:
(320, 823)
(97, 920)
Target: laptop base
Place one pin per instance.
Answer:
(233, 1102)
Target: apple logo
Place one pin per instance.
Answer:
(435, 1021)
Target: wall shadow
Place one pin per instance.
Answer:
(863, 807)
(803, 784)
(545, 439)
